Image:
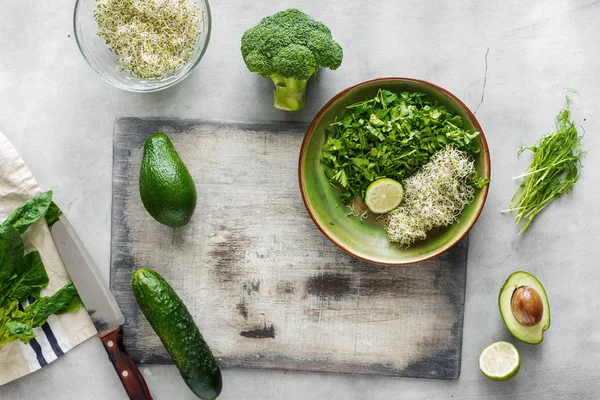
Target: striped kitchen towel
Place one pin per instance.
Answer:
(60, 333)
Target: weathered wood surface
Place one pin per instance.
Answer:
(266, 288)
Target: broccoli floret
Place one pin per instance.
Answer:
(289, 47)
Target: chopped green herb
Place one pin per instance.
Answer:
(151, 38)
(553, 171)
(480, 181)
(389, 136)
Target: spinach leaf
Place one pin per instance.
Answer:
(38, 312)
(17, 330)
(16, 324)
(11, 255)
(23, 276)
(10, 314)
(10, 310)
(30, 211)
(73, 305)
(31, 277)
(53, 214)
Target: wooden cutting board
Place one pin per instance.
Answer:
(266, 288)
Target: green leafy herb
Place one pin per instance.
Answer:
(391, 136)
(480, 181)
(38, 312)
(16, 324)
(10, 326)
(29, 278)
(73, 304)
(553, 170)
(23, 276)
(11, 254)
(17, 330)
(30, 211)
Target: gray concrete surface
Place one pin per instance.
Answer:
(511, 60)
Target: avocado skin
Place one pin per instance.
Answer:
(175, 327)
(167, 189)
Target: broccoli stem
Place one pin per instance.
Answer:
(289, 93)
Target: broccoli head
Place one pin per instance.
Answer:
(289, 47)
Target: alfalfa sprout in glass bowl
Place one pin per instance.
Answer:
(142, 45)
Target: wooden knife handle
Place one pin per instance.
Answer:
(130, 375)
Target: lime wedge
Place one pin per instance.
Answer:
(500, 361)
(384, 195)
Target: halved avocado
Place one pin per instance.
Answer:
(531, 293)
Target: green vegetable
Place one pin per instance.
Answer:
(167, 189)
(38, 312)
(11, 255)
(72, 305)
(30, 278)
(553, 171)
(23, 276)
(390, 136)
(30, 211)
(16, 330)
(53, 214)
(480, 181)
(175, 327)
(289, 47)
(16, 324)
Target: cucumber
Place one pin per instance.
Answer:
(175, 327)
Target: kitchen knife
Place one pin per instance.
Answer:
(100, 305)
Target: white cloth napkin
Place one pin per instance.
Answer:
(63, 332)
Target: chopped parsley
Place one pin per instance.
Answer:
(392, 136)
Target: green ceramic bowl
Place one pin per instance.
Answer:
(367, 239)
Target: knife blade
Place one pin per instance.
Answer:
(100, 305)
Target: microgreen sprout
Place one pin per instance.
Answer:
(553, 171)
(150, 38)
(434, 197)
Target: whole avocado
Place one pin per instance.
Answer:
(172, 322)
(167, 189)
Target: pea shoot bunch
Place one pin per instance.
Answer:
(553, 171)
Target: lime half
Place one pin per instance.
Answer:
(500, 361)
(384, 195)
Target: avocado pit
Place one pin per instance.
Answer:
(526, 305)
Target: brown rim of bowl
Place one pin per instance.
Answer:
(484, 147)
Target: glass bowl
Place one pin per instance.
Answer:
(103, 61)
